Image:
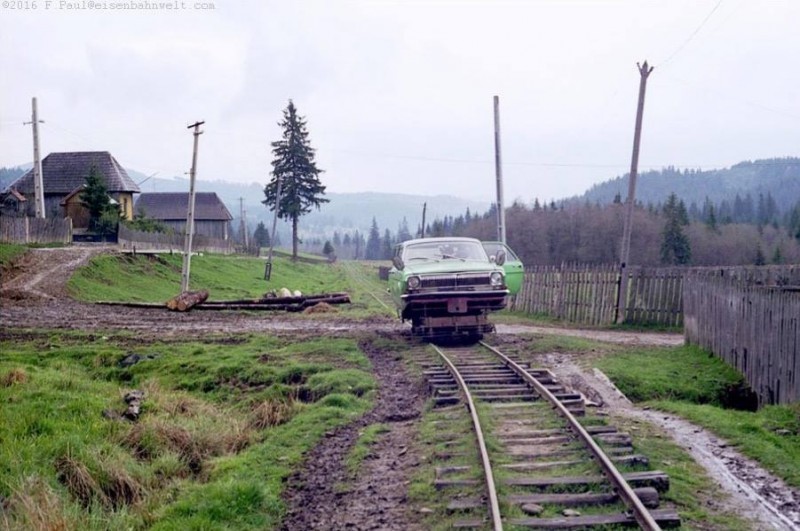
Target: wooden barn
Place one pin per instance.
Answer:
(63, 178)
(211, 216)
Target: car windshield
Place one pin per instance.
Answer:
(493, 247)
(444, 250)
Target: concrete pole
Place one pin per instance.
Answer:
(644, 72)
(424, 209)
(243, 224)
(187, 248)
(274, 225)
(38, 184)
(498, 170)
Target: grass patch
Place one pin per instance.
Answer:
(10, 252)
(156, 278)
(695, 385)
(683, 373)
(221, 428)
(771, 435)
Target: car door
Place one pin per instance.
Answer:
(513, 266)
(396, 282)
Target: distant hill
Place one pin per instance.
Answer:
(344, 213)
(9, 175)
(779, 177)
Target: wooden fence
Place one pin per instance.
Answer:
(577, 293)
(35, 230)
(588, 294)
(749, 317)
(134, 240)
(654, 296)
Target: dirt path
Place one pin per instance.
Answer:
(323, 496)
(43, 273)
(753, 493)
(610, 336)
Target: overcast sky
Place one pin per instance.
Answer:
(398, 95)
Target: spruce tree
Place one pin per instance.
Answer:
(261, 235)
(675, 248)
(387, 245)
(103, 216)
(373, 249)
(403, 233)
(294, 166)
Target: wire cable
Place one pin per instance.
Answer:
(692, 36)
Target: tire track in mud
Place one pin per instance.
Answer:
(323, 496)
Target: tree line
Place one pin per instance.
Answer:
(551, 233)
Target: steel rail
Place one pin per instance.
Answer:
(494, 505)
(625, 492)
(357, 278)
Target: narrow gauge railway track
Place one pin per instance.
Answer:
(544, 462)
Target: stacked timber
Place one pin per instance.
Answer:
(186, 300)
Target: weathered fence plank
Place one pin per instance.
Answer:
(35, 230)
(749, 318)
(130, 239)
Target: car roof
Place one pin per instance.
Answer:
(440, 239)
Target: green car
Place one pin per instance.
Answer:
(513, 267)
(447, 286)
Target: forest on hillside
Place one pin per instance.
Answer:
(775, 177)
(592, 233)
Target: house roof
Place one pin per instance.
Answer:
(16, 195)
(172, 206)
(64, 172)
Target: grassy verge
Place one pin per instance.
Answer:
(543, 319)
(10, 252)
(690, 489)
(223, 423)
(699, 387)
(155, 278)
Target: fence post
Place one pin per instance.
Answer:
(622, 294)
(560, 293)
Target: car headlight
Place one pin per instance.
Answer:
(413, 282)
(496, 279)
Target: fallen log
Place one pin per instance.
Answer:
(289, 304)
(186, 300)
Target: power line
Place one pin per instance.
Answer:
(692, 36)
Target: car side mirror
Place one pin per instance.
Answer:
(501, 257)
(397, 262)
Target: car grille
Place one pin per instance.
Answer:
(455, 281)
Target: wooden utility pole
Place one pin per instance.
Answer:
(268, 271)
(424, 209)
(38, 185)
(644, 72)
(498, 171)
(187, 248)
(243, 223)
